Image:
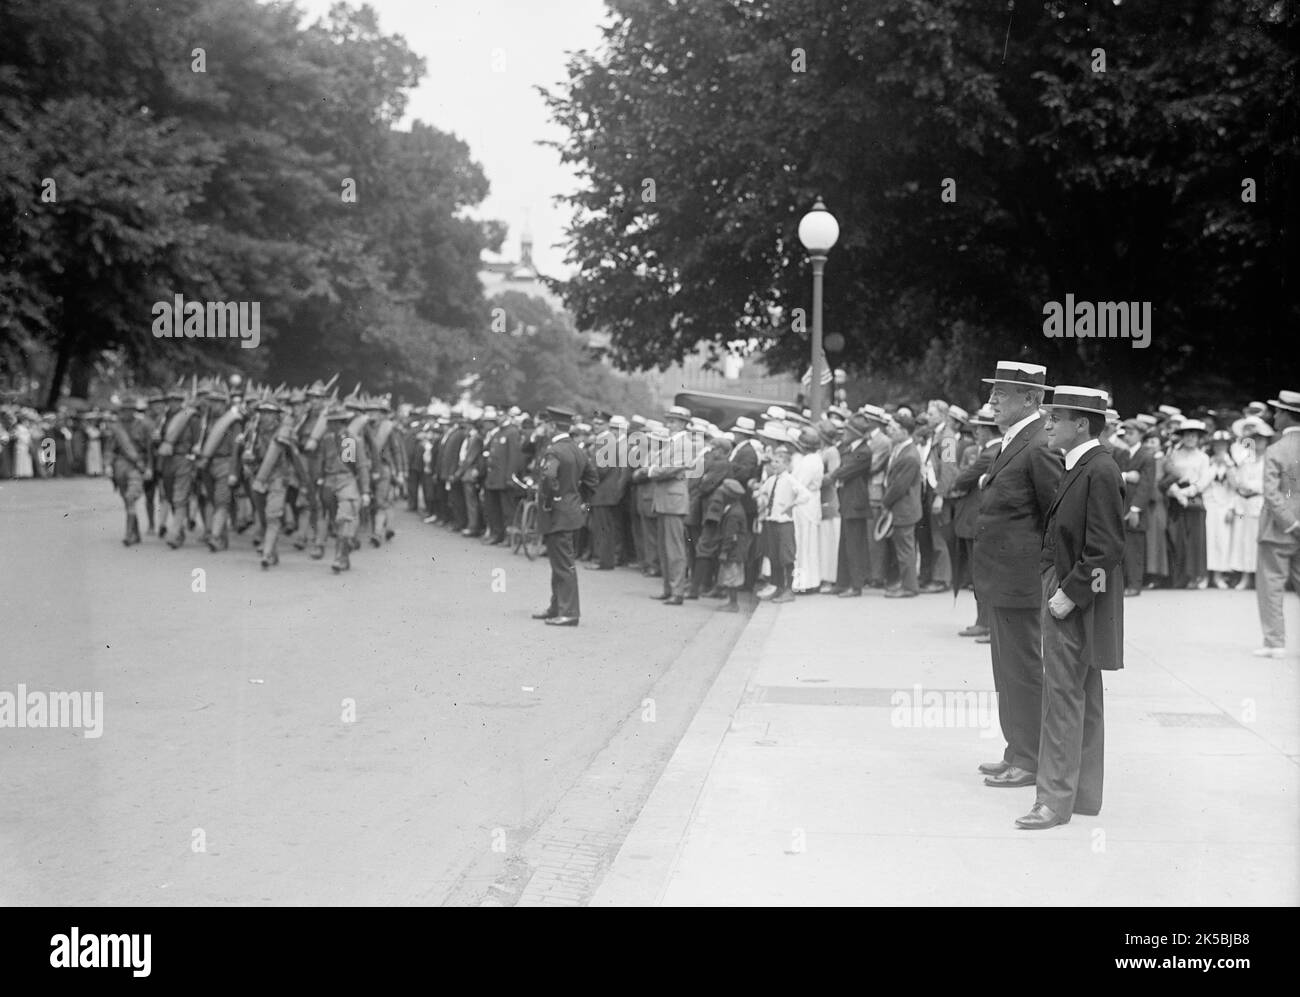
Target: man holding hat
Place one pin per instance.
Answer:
(1017, 491)
(1279, 523)
(1083, 609)
(566, 478)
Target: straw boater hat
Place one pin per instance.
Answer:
(875, 413)
(1094, 401)
(678, 412)
(958, 413)
(1255, 408)
(744, 426)
(1252, 425)
(1190, 426)
(1288, 400)
(1026, 375)
(984, 417)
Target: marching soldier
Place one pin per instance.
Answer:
(344, 470)
(131, 446)
(387, 471)
(219, 463)
(279, 471)
(180, 447)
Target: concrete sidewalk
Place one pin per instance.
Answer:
(817, 772)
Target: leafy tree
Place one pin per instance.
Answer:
(704, 129)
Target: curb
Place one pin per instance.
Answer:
(645, 864)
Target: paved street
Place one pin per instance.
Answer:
(819, 772)
(226, 772)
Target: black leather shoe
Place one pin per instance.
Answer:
(973, 631)
(661, 598)
(562, 621)
(849, 594)
(1130, 592)
(674, 601)
(984, 639)
(994, 768)
(1040, 819)
(548, 615)
(1012, 777)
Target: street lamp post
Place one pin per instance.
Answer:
(818, 231)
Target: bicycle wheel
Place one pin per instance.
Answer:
(517, 527)
(532, 538)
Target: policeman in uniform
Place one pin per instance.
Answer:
(567, 477)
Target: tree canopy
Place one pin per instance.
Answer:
(981, 160)
(224, 150)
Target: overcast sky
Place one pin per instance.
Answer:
(497, 113)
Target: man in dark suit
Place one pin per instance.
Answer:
(902, 502)
(1082, 580)
(448, 465)
(505, 459)
(567, 478)
(1015, 495)
(613, 477)
(1138, 469)
(965, 499)
(853, 477)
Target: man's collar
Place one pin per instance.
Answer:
(1073, 456)
(559, 436)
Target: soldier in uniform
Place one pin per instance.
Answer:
(219, 463)
(131, 459)
(183, 439)
(387, 470)
(277, 472)
(157, 406)
(344, 470)
(567, 477)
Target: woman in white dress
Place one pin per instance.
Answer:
(829, 531)
(806, 468)
(1220, 510)
(23, 450)
(94, 449)
(1248, 483)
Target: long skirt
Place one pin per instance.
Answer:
(1244, 549)
(828, 532)
(1218, 534)
(807, 544)
(1186, 544)
(1157, 538)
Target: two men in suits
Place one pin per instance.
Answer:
(1279, 523)
(1082, 580)
(567, 478)
(1016, 492)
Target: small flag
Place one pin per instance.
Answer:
(827, 375)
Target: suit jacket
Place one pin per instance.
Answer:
(504, 457)
(966, 506)
(671, 494)
(449, 453)
(1084, 541)
(1021, 485)
(1141, 492)
(854, 478)
(613, 476)
(903, 486)
(470, 467)
(1281, 490)
(567, 476)
(744, 461)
